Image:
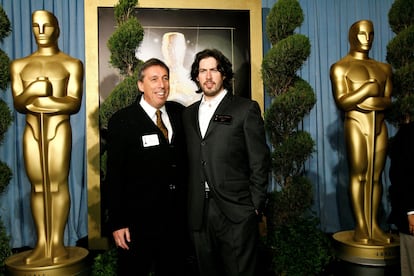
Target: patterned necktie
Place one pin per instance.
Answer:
(161, 125)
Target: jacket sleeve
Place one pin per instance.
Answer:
(259, 155)
(116, 149)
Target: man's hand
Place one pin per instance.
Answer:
(121, 238)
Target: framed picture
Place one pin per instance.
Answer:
(175, 30)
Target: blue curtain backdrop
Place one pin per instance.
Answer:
(326, 24)
(15, 202)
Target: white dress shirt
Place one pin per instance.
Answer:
(151, 112)
(207, 109)
(205, 112)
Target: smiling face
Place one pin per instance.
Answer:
(155, 85)
(209, 77)
(45, 28)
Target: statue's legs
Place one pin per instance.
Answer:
(380, 157)
(59, 160)
(50, 215)
(358, 166)
(33, 163)
(366, 157)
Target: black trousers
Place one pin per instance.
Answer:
(163, 256)
(224, 248)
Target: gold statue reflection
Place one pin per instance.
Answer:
(47, 87)
(182, 89)
(362, 89)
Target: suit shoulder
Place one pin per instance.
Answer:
(122, 113)
(242, 101)
(192, 107)
(175, 106)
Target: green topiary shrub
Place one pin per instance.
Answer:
(105, 263)
(5, 121)
(400, 16)
(126, 39)
(400, 56)
(123, 44)
(4, 72)
(5, 250)
(289, 218)
(5, 176)
(283, 19)
(282, 61)
(309, 258)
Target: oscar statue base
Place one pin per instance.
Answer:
(371, 254)
(75, 264)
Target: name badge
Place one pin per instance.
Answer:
(150, 140)
(222, 119)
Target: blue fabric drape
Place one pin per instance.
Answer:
(15, 208)
(326, 24)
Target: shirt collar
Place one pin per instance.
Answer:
(149, 109)
(216, 100)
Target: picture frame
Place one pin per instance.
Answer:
(208, 14)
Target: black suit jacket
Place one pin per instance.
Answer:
(146, 183)
(401, 190)
(233, 158)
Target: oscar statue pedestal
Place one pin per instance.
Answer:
(75, 264)
(373, 256)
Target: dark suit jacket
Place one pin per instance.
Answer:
(401, 190)
(146, 183)
(233, 158)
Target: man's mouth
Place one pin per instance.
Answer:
(160, 93)
(209, 84)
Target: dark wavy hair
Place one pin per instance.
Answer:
(224, 66)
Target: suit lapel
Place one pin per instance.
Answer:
(172, 117)
(194, 119)
(221, 109)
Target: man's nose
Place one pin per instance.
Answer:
(162, 83)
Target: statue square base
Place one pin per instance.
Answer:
(372, 254)
(75, 264)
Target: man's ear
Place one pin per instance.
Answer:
(140, 86)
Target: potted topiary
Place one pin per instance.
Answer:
(296, 243)
(400, 56)
(5, 121)
(401, 115)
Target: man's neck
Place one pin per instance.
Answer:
(211, 98)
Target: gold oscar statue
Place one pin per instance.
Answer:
(362, 89)
(47, 87)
